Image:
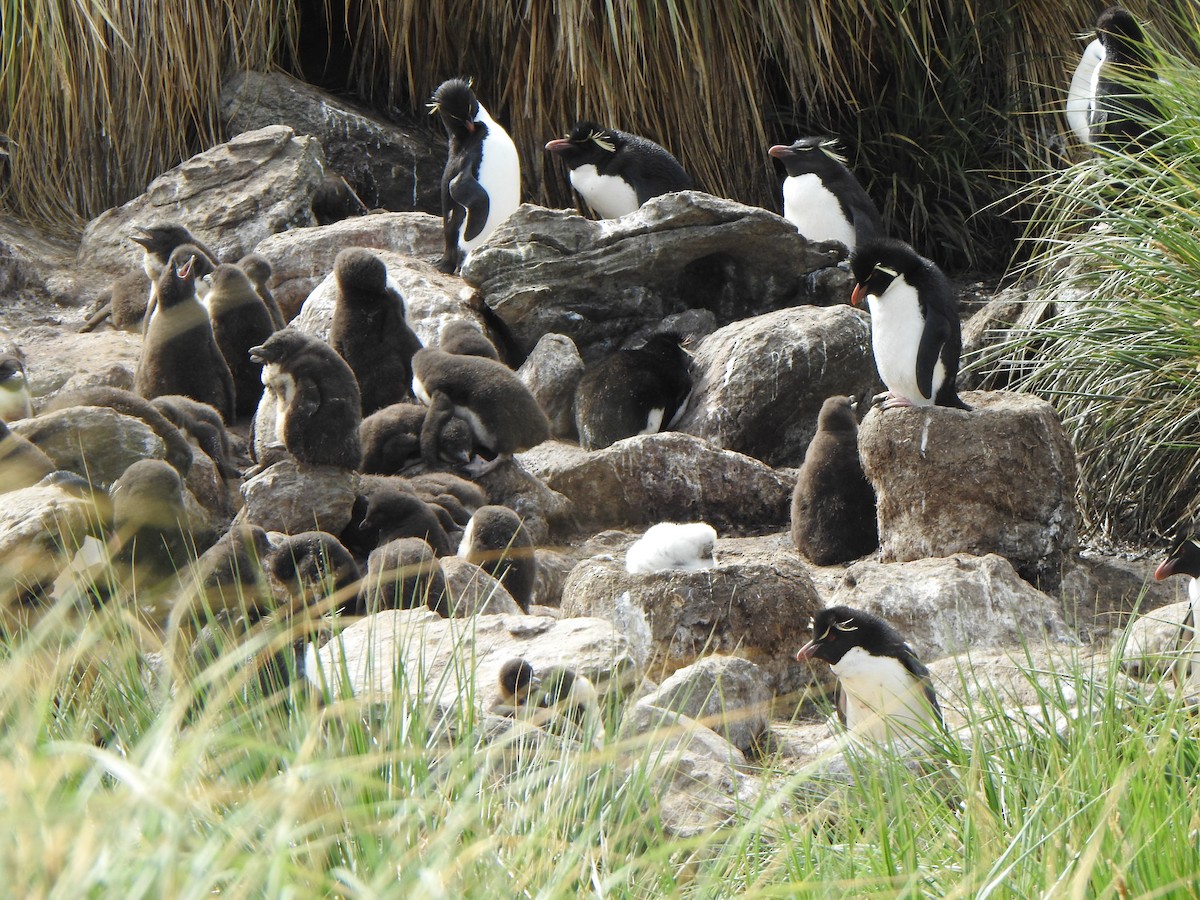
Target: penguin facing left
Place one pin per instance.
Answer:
(481, 184)
(518, 688)
(1121, 113)
(1184, 559)
(15, 401)
(616, 172)
(916, 336)
(821, 196)
(179, 353)
(240, 320)
(633, 392)
(496, 540)
(884, 691)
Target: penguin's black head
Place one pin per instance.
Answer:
(360, 272)
(839, 629)
(586, 143)
(455, 102)
(517, 679)
(281, 346)
(11, 367)
(877, 263)
(161, 238)
(837, 414)
(1122, 37)
(667, 344)
(1184, 559)
(810, 155)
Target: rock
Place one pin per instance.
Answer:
(760, 383)
(475, 592)
(56, 358)
(391, 167)
(40, 527)
(34, 264)
(999, 478)
(551, 372)
(755, 605)
(553, 570)
(95, 442)
(1100, 594)
(293, 498)
(946, 606)
(663, 477)
(597, 282)
(456, 663)
(230, 197)
(302, 257)
(430, 299)
(1152, 643)
(726, 693)
(543, 510)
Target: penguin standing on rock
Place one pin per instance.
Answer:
(833, 504)
(884, 691)
(616, 172)
(1184, 559)
(497, 542)
(481, 185)
(916, 336)
(179, 353)
(240, 320)
(821, 197)
(369, 330)
(318, 410)
(15, 402)
(632, 392)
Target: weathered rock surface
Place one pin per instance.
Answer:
(752, 605)
(395, 168)
(544, 511)
(55, 359)
(948, 605)
(663, 477)
(1153, 643)
(40, 527)
(551, 372)
(760, 382)
(725, 693)
(230, 197)
(294, 498)
(33, 265)
(997, 479)
(597, 282)
(92, 441)
(301, 258)
(475, 592)
(1100, 594)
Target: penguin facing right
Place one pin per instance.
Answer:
(496, 540)
(616, 172)
(240, 320)
(833, 504)
(1184, 559)
(481, 184)
(916, 336)
(633, 392)
(179, 353)
(315, 567)
(884, 691)
(822, 198)
(15, 401)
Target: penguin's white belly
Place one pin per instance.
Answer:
(611, 197)
(1081, 95)
(282, 387)
(653, 421)
(483, 434)
(882, 699)
(468, 539)
(14, 399)
(815, 211)
(896, 328)
(419, 391)
(500, 176)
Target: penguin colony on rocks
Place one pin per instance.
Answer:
(412, 421)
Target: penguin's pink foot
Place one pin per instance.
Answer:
(889, 400)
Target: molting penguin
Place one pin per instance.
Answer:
(821, 197)
(481, 185)
(833, 504)
(240, 320)
(497, 542)
(1184, 559)
(503, 415)
(884, 691)
(668, 546)
(318, 410)
(15, 402)
(632, 392)
(369, 330)
(915, 331)
(179, 353)
(616, 172)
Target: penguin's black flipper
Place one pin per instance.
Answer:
(440, 411)
(469, 193)
(917, 669)
(933, 339)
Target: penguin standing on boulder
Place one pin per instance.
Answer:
(884, 691)
(616, 172)
(481, 185)
(821, 197)
(240, 320)
(833, 504)
(15, 401)
(632, 392)
(916, 336)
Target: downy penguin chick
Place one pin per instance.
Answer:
(496, 540)
(230, 576)
(390, 513)
(151, 529)
(518, 688)
(334, 200)
(464, 338)
(258, 269)
(203, 425)
(158, 243)
(15, 400)
(403, 574)
(316, 568)
(240, 321)
(668, 546)
(391, 440)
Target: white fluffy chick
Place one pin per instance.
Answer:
(667, 546)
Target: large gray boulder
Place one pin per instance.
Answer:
(293, 498)
(549, 270)
(663, 477)
(390, 167)
(301, 258)
(230, 197)
(95, 442)
(945, 606)
(1157, 644)
(999, 478)
(752, 605)
(760, 383)
(40, 528)
(552, 372)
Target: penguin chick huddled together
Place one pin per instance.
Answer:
(632, 392)
(391, 440)
(833, 504)
(560, 700)
(465, 338)
(496, 540)
(517, 684)
(317, 405)
(403, 574)
(369, 330)
(616, 172)
(916, 335)
(503, 415)
(481, 184)
(821, 196)
(230, 576)
(15, 400)
(884, 691)
(1184, 559)
(316, 570)
(202, 424)
(258, 269)
(240, 320)
(670, 546)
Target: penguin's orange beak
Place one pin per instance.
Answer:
(557, 145)
(857, 294)
(779, 151)
(807, 652)
(1165, 569)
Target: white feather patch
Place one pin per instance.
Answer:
(500, 175)
(882, 698)
(896, 329)
(815, 211)
(687, 547)
(609, 196)
(1081, 95)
